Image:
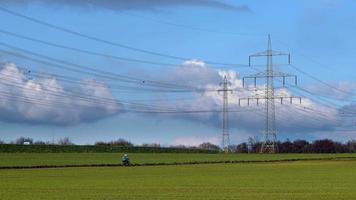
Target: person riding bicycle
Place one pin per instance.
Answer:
(125, 160)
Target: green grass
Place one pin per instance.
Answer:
(38, 159)
(261, 181)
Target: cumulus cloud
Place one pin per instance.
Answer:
(193, 72)
(46, 101)
(342, 90)
(291, 118)
(118, 5)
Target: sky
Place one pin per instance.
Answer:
(100, 94)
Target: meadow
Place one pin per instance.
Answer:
(334, 179)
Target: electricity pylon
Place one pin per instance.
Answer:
(269, 97)
(225, 125)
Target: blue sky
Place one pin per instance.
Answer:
(318, 34)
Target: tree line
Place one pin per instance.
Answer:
(114, 143)
(31, 141)
(253, 145)
(298, 146)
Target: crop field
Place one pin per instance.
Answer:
(288, 180)
(305, 179)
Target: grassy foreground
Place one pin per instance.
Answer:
(287, 180)
(50, 159)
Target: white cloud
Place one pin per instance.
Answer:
(46, 101)
(291, 118)
(342, 90)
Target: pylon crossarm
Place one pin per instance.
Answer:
(270, 53)
(263, 75)
(282, 99)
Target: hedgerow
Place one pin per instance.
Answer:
(15, 148)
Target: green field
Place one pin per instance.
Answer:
(287, 180)
(307, 179)
(38, 159)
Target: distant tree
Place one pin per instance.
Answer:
(101, 143)
(23, 140)
(178, 146)
(323, 146)
(209, 146)
(254, 145)
(155, 145)
(301, 146)
(65, 141)
(351, 146)
(2, 141)
(285, 147)
(39, 142)
(232, 148)
(119, 142)
(242, 148)
(340, 148)
(239, 148)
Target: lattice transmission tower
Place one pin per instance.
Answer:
(225, 143)
(269, 97)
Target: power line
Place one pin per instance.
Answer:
(95, 72)
(96, 53)
(82, 50)
(70, 94)
(313, 96)
(194, 111)
(323, 82)
(191, 27)
(72, 32)
(321, 100)
(39, 102)
(305, 56)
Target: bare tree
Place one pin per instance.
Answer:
(65, 141)
(209, 146)
(39, 142)
(254, 145)
(180, 146)
(155, 145)
(119, 142)
(122, 142)
(351, 145)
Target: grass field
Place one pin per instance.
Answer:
(285, 180)
(38, 159)
(312, 179)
